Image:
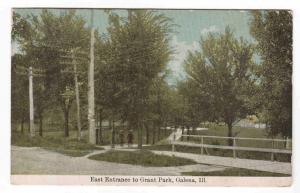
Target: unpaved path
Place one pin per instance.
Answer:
(260, 165)
(35, 160)
(177, 133)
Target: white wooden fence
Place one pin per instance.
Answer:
(286, 150)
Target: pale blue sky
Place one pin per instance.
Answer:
(192, 24)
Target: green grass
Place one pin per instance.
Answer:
(234, 172)
(141, 157)
(221, 130)
(67, 146)
(53, 131)
(214, 129)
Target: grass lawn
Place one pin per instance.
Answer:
(67, 146)
(234, 172)
(141, 157)
(52, 131)
(221, 130)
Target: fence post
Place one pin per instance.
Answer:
(234, 144)
(201, 145)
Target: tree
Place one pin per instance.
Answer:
(108, 88)
(19, 90)
(20, 28)
(273, 31)
(51, 38)
(195, 105)
(22, 34)
(138, 51)
(158, 107)
(19, 82)
(221, 74)
(175, 108)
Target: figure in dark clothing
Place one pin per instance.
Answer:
(130, 138)
(121, 138)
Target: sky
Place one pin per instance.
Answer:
(191, 25)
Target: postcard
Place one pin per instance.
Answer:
(168, 97)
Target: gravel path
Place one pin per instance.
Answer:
(33, 160)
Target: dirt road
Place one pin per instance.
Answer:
(35, 160)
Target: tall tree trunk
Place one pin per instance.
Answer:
(165, 130)
(158, 133)
(100, 128)
(153, 133)
(111, 126)
(22, 125)
(66, 116)
(182, 132)
(147, 133)
(41, 125)
(230, 141)
(113, 133)
(188, 133)
(140, 135)
(97, 127)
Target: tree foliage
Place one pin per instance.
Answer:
(220, 78)
(137, 51)
(273, 31)
(45, 42)
(19, 90)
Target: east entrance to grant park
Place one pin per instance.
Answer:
(151, 92)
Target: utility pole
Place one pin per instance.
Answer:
(91, 99)
(30, 72)
(31, 107)
(71, 55)
(77, 96)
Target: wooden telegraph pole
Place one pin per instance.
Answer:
(91, 99)
(77, 95)
(30, 72)
(31, 107)
(71, 55)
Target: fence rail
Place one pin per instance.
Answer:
(239, 138)
(234, 147)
